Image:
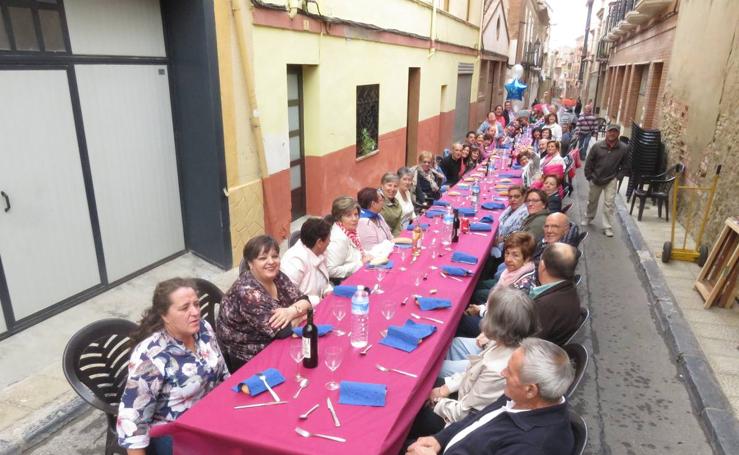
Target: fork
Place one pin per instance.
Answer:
(308, 434)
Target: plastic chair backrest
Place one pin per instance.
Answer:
(294, 237)
(210, 297)
(580, 431)
(584, 315)
(579, 356)
(95, 362)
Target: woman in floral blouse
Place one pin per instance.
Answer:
(261, 305)
(175, 362)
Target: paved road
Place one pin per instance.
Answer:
(632, 398)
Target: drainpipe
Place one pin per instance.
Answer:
(585, 43)
(432, 46)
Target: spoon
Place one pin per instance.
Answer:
(438, 321)
(269, 389)
(308, 434)
(364, 351)
(385, 369)
(305, 415)
(303, 384)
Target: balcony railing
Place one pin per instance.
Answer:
(617, 12)
(532, 54)
(604, 48)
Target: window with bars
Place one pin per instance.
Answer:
(368, 114)
(31, 26)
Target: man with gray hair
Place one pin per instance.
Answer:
(531, 418)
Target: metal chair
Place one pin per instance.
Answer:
(95, 363)
(584, 316)
(210, 297)
(579, 357)
(580, 431)
(566, 208)
(583, 236)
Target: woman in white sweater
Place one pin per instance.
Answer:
(344, 254)
(552, 124)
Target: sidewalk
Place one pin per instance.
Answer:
(706, 342)
(36, 399)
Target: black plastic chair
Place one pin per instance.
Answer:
(566, 208)
(580, 431)
(210, 297)
(579, 357)
(584, 316)
(294, 237)
(581, 238)
(95, 363)
(658, 190)
(577, 279)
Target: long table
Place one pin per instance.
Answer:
(214, 426)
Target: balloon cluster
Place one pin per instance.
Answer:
(514, 87)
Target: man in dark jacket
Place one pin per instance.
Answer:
(452, 165)
(531, 418)
(607, 161)
(556, 302)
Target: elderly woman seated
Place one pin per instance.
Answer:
(510, 318)
(374, 233)
(405, 197)
(392, 211)
(345, 254)
(305, 262)
(174, 363)
(426, 180)
(261, 305)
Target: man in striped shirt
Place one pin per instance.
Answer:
(587, 127)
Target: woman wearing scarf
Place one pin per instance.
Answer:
(405, 197)
(344, 254)
(426, 180)
(392, 212)
(372, 228)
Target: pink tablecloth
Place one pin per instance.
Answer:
(213, 426)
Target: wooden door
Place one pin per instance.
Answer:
(295, 133)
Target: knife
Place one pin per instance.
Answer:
(333, 412)
(269, 403)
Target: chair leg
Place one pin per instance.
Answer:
(659, 208)
(642, 201)
(633, 201)
(667, 208)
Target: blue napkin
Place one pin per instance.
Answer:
(455, 271)
(344, 290)
(492, 205)
(387, 266)
(418, 329)
(443, 188)
(467, 211)
(362, 393)
(434, 213)
(509, 175)
(481, 227)
(408, 336)
(487, 219)
(323, 329)
(516, 166)
(256, 386)
(411, 227)
(461, 256)
(441, 203)
(404, 246)
(431, 303)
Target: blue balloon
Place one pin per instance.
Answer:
(515, 90)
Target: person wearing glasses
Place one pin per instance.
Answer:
(514, 215)
(536, 204)
(426, 181)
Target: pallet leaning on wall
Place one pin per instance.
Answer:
(717, 279)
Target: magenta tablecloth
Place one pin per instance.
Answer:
(213, 426)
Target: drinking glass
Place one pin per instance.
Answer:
(388, 310)
(339, 311)
(296, 352)
(380, 277)
(332, 358)
(402, 255)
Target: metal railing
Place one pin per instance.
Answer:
(617, 11)
(604, 48)
(532, 54)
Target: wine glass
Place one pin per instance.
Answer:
(332, 358)
(380, 277)
(388, 310)
(339, 311)
(296, 352)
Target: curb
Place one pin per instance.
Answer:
(715, 412)
(40, 425)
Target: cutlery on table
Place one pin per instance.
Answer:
(480, 234)
(333, 412)
(308, 434)
(305, 415)
(405, 300)
(269, 389)
(383, 333)
(426, 276)
(364, 351)
(375, 288)
(269, 403)
(303, 384)
(438, 321)
(449, 276)
(385, 369)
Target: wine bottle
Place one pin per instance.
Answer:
(310, 342)
(455, 227)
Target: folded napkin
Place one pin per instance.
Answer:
(408, 336)
(441, 203)
(516, 166)
(344, 290)
(454, 193)
(467, 211)
(469, 179)
(411, 227)
(481, 227)
(431, 303)
(455, 271)
(362, 393)
(487, 219)
(256, 386)
(461, 256)
(492, 205)
(387, 266)
(323, 329)
(434, 213)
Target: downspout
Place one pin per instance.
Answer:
(432, 46)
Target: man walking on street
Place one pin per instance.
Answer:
(607, 161)
(587, 126)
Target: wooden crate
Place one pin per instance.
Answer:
(716, 282)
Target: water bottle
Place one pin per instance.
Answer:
(475, 192)
(360, 318)
(448, 222)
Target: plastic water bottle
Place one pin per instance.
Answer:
(448, 223)
(475, 193)
(360, 318)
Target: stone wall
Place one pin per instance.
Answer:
(700, 107)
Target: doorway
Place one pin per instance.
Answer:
(414, 97)
(295, 133)
(462, 106)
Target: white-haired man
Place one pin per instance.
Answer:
(531, 418)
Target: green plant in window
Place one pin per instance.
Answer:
(366, 144)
